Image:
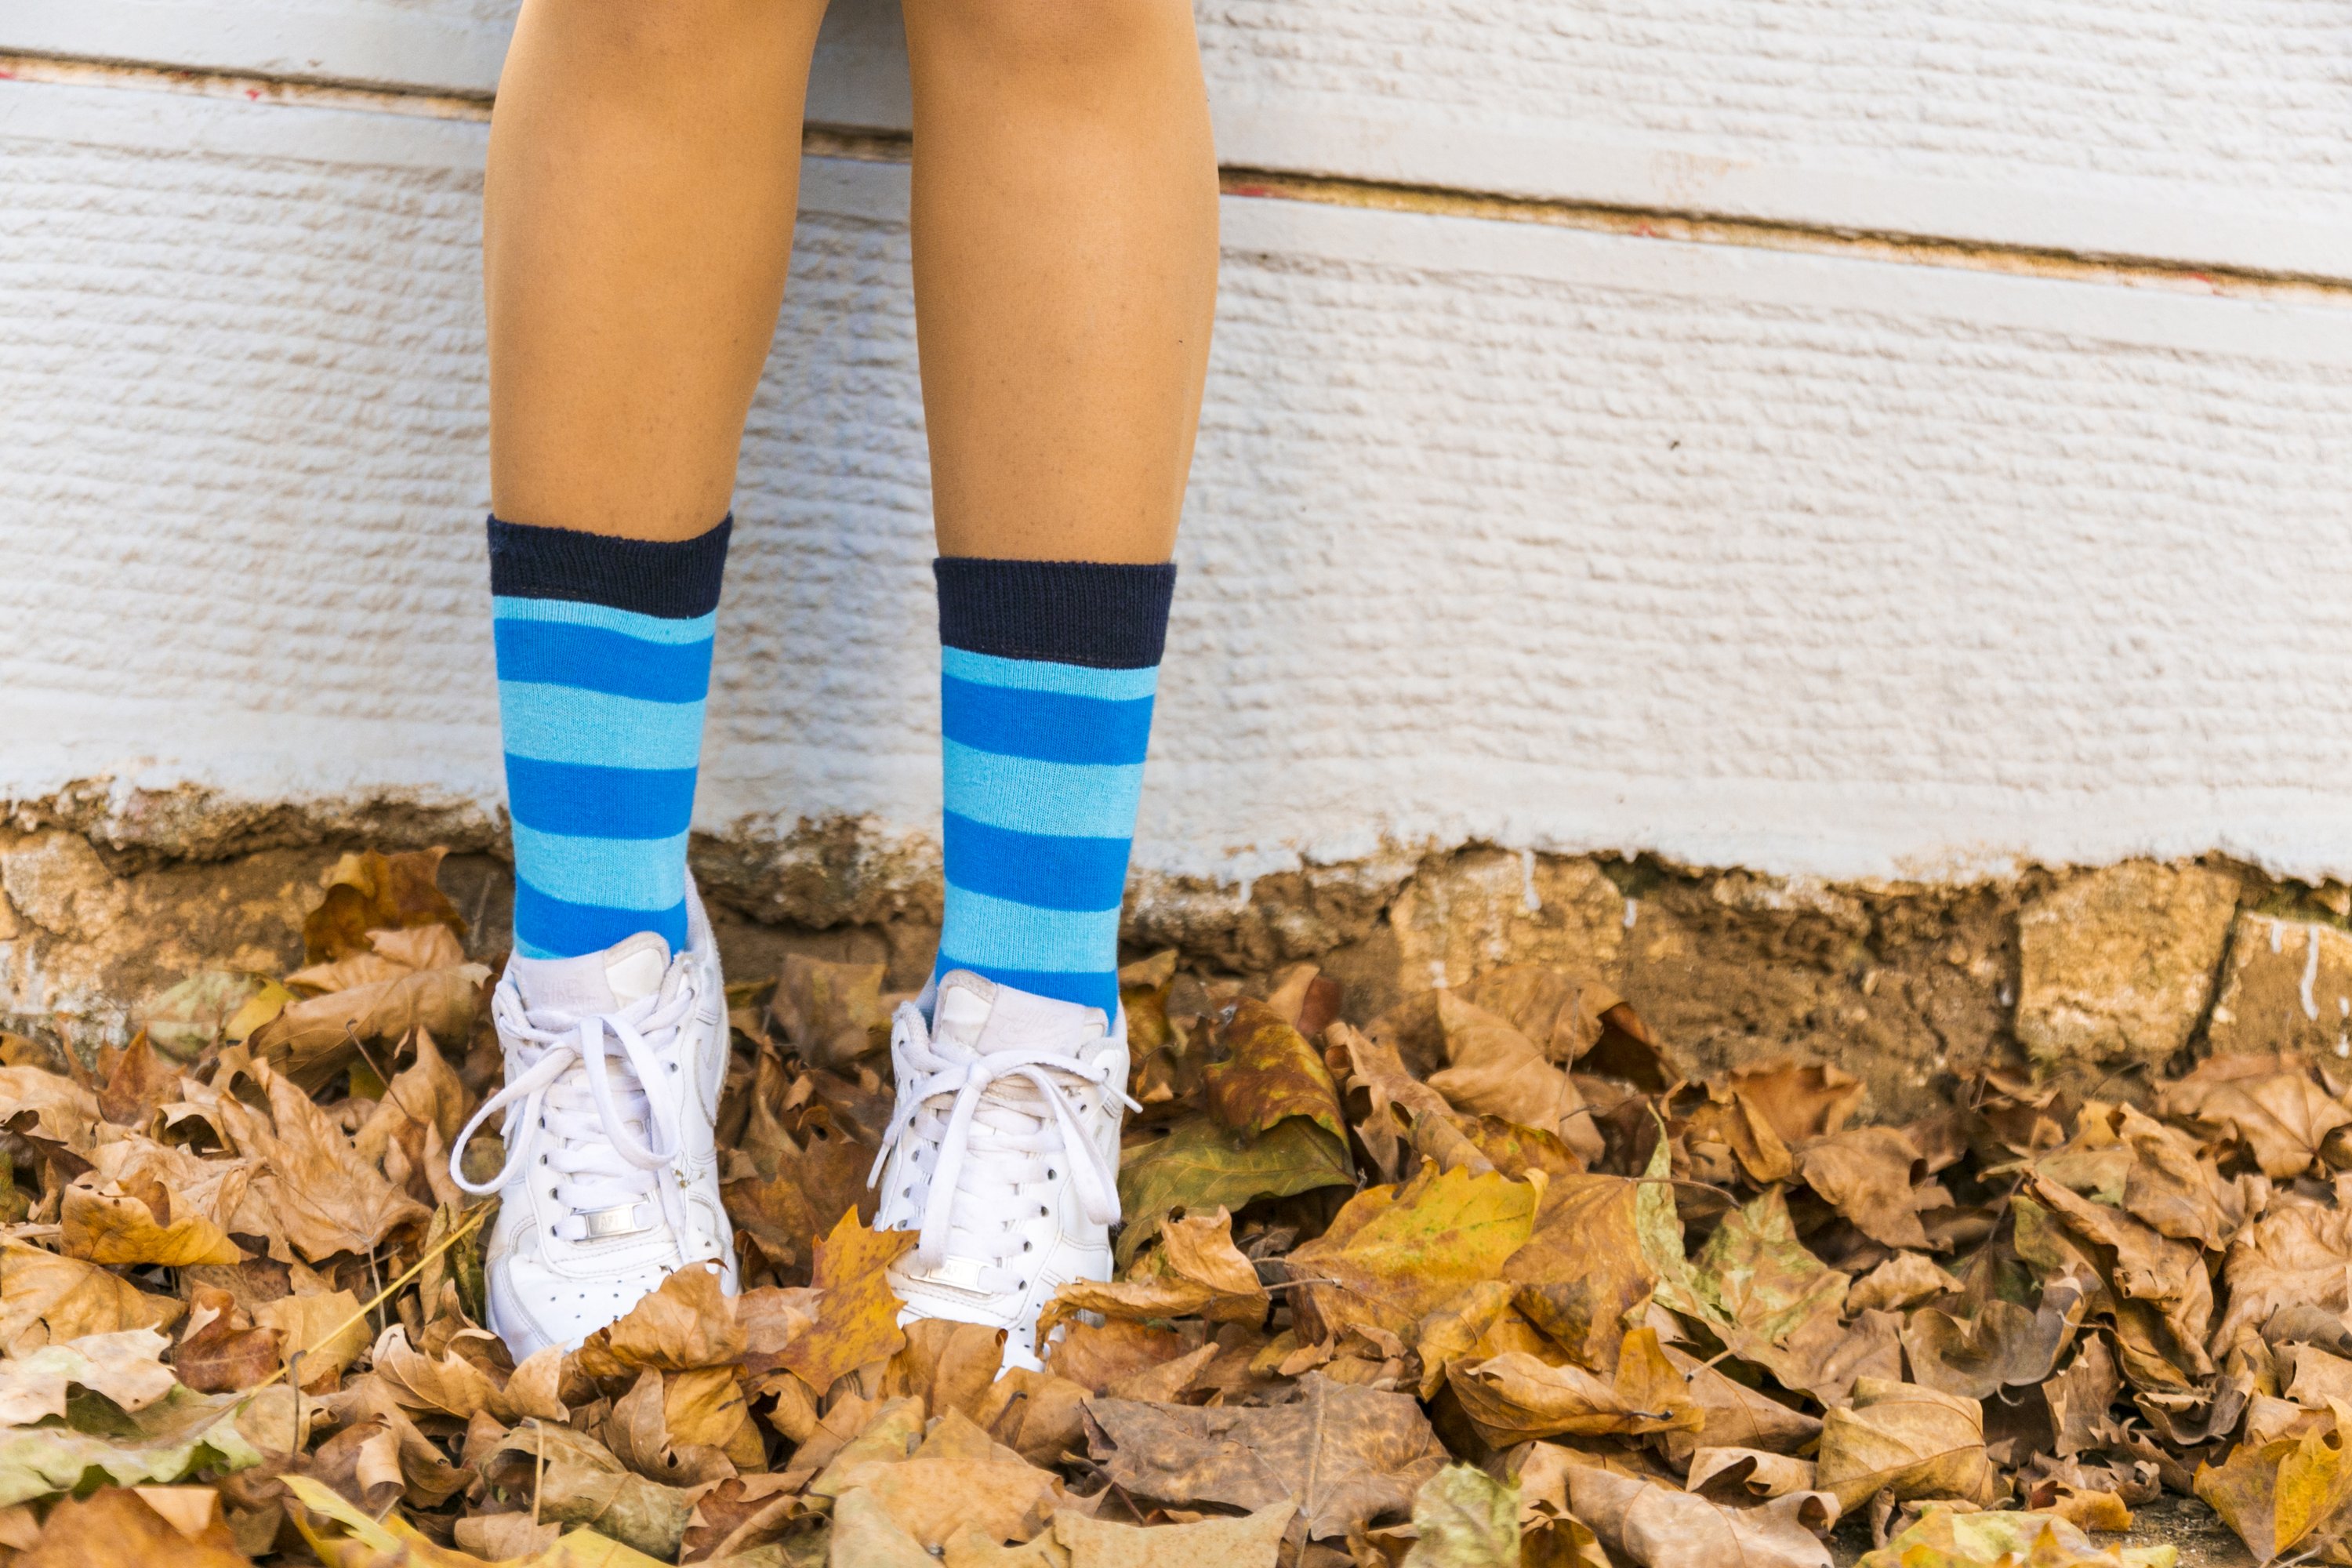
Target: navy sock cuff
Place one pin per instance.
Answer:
(1069, 612)
(677, 579)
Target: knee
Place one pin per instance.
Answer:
(1047, 34)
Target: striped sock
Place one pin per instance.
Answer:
(604, 650)
(1048, 671)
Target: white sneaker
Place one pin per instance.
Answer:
(613, 1065)
(1003, 1153)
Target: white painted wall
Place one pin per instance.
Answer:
(1814, 563)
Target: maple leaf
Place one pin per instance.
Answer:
(1197, 1165)
(1270, 1073)
(856, 1311)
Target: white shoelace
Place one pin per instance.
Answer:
(990, 1144)
(573, 1109)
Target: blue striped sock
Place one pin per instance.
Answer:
(1048, 672)
(604, 649)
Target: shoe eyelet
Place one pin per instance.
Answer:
(1052, 1174)
(1025, 1246)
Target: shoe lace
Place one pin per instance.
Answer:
(997, 1119)
(572, 1106)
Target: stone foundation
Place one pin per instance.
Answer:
(2100, 976)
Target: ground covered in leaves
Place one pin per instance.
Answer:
(1487, 1281)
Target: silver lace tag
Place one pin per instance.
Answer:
(621, 1221)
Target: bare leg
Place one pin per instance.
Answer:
(1065, 257)
(638, 223)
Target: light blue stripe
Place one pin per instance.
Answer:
(552, 723)
(628, 623)
(644, 874)
(1043, 675)
(992, 932)
(1077, 800)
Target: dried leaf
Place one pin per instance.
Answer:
(47, 1299)
(1583, 1272)
(1658, 1526)
(1392, 1254)
(1196, 1271)
(1250, 1542)
(122, 1366)
(858, 1313)
(124, 1529)
(1349, 1455)
(2269, 1104)
(164, 1441)
(1270, 1073)
(1465, 1519)
(108, 1226)
(688, 1321)
(368, 891)
(1195, 1165)
(1867, 1175)
(1950, 1538)
(1911, 1441)
(1494, 1071)
(1516, 1397)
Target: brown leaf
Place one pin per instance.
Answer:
(2283, 1494)
(1733, 1416)
(2163, 1299)
(2002, 1345)
(222, 1352)
(1867, 1175)
(858, 1313)
(1392, 1254)
(1904, 1280)
(47, 1105)
(2078, 1396)
(135, 1083)
(47, 1300)
(1270, 1072)
(1400, 1102)
(581, 1483)
(1746, 1475)
(1037, 1414)
(1195, 1271)
(1494, 1071)
(950, 1365)
(1905, 1439)
(1250, 1542)
(689, 1322)
(108, 1226)
(1800, 1102)
(831, 1013)
(121, 1366)
(1095, 1356)
(2268, 1104)
(311, 1041)
(2296, 1254)
(322, 1198)
(1197, 1165)
(1657, 1526)
(1515, 1398)
(1349, 1455)
(1582, 1272)
(117, 1527)
(328, 1331)
(370, 891)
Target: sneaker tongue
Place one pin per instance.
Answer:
(602, 982)
(984, 1017)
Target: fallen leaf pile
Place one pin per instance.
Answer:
(1487, 1280)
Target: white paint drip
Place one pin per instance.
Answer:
(1437, 975)
(1528, 894)
(2310, 971)
(2278, 938)
(1630, 910)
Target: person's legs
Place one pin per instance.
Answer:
(1065, 253)
(644, 161)
(1065, 257)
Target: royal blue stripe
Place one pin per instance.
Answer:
(1044, 675)
(1046, 871)
(1087, 988)
(1049, 726)
(600, 802)
(565, 724)
(596, 659)
(643, 874)
(604, 617)
(559, 928)
(984, 931)
(1083, 800)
